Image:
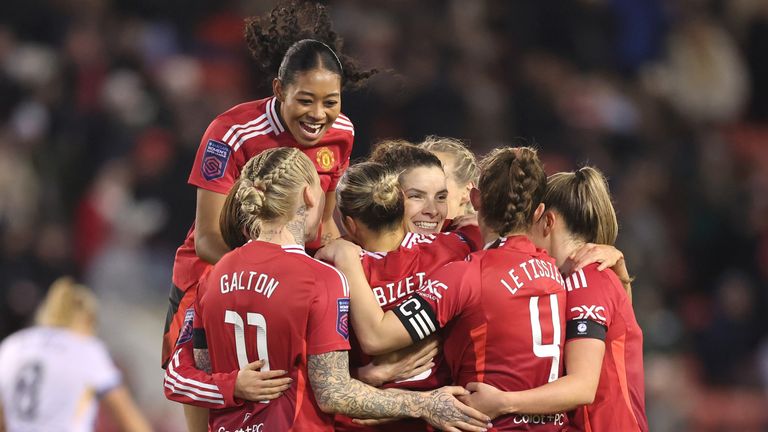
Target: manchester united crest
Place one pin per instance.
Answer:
(325, 158)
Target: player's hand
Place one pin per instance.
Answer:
(485, 398)
(339, 251)
(401, 365)
(607, 256)
(445, 412)
(253, 385)
(464, 220)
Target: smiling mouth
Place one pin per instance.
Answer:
(426, 225)
(311, 129)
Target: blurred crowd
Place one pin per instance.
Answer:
(103, 103)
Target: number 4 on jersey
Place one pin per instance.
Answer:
(546, 350)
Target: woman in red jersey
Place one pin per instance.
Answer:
(296, 45)
(604, 344)
(422, 180)
(269, 300)
(395, 262)
(502, 311)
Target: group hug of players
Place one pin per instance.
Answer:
(464, 295)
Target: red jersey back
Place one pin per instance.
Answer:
(598, 298)
(264, 301)
(236, 136)
(503, 314)
(393, 277)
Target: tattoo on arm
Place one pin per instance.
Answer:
(336, 390)
(202, 360)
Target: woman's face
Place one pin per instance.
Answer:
(426, 196)
(458, 195)
(310, 104)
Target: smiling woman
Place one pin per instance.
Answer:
(423, 182)
(296, 47)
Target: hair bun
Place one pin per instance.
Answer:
(386, 192)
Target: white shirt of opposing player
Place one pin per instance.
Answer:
(51, 378)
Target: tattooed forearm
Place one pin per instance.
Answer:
(202, 360)
(336, 391)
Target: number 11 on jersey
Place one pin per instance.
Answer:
(254, 319)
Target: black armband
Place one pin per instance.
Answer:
(198, 339)
(417, 317)
(584, 328)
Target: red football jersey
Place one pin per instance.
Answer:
(394, 276)
(264, 301)
(503, 314)
(236, 136)
(598, 307)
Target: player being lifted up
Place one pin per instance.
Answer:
(296, 47)
(502, 312)
(269, 300)
(604, 344)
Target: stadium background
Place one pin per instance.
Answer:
(102, 105)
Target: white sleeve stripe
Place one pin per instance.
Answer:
(251, 135)
(345, 122)
(346, 128)
(416, 327)
(583, 279)
(345, 117)
(233, 128)
(192, 396)
(423, 313)
(175, 383)
(575, 279)
(274, 118)
(187, 380)
(236, 136)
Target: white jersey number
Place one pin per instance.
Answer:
(26, 395)
(548, 350)
(254, 319)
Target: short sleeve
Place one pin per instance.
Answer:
(104, 376)
(217, 164)
(328, 327)
(448, 290)
(589, 310)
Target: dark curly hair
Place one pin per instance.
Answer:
(512, 185)
(297, 36)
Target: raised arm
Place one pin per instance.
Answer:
(209, 244)
(336, 392)
(378, 332)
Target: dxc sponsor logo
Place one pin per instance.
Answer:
(589, 312)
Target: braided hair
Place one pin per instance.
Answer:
(512, 185)
(270, 184)
(296, 37)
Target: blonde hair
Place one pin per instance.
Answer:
(270, 185)
(512, 184)
(465, 169)
(65, 302)
(231, 219)
(583, 200)
(370, 192)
